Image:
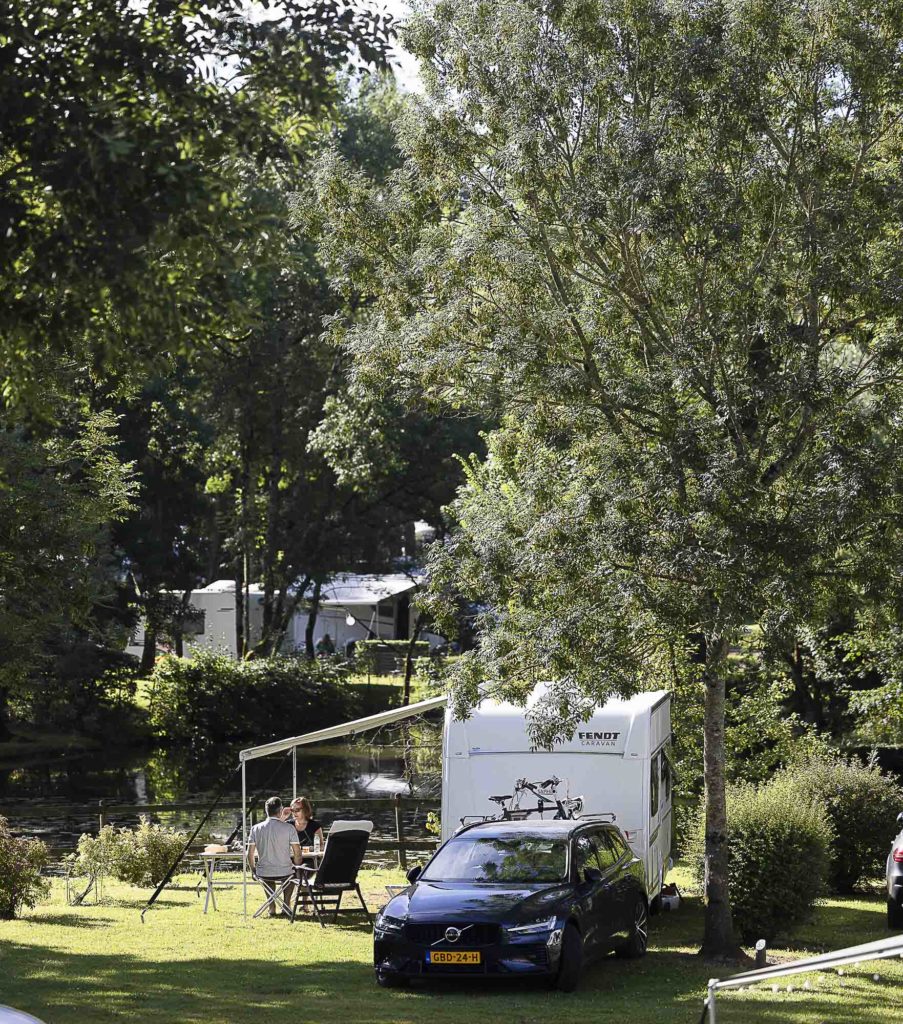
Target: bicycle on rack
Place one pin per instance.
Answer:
(511, 807)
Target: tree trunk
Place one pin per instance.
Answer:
(149, 650)
(239, 605)
(409, 661)
(312, 621)
(719, 940)
(214, 543)
(4, 714)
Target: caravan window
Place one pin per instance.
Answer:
(653, 795)
(666, 778)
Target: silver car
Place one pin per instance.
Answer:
(895, 880)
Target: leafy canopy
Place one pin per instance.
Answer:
(123, 128)
(660, 240)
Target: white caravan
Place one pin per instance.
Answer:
(618, 761)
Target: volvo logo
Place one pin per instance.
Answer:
(452, 934)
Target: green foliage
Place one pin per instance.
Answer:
(696, 406)
(146, 854)
(761, 736)
(59, 493)
(96, 856)
(21, 863)
(124, 225)
(778, 863)
(212, 699)
(139, 856)
(382, 656)
(861, 803)
(605, 238)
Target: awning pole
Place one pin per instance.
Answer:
(294, 773)
(244, 836)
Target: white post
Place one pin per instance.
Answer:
(294, 773)
(711, 1001)
(244, 836)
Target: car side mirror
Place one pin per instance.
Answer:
(592, 875)
(414, 873)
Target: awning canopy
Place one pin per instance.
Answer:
(355, 589)
(345, 728)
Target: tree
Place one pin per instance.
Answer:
(316, 478)
(58, 496)
(120, 128)
(659, 240)
(164, 543)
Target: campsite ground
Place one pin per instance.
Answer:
(99, 963)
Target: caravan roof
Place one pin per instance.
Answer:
(620, 727)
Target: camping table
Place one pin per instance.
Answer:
(210, 861)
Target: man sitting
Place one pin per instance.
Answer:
(275, 848)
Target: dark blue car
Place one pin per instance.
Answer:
(507, 899)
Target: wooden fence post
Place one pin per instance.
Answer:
(399, 830)
(100, 817)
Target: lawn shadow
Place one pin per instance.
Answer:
(849, 922)
(69, 920)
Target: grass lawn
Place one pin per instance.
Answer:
(99, 963)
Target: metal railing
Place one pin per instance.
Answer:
(881, 950)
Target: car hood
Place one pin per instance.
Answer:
(437, 901)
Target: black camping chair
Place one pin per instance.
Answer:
(346, 845)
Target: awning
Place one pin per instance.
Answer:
(346, 728)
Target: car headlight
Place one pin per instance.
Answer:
(386, 925)
(545, 924)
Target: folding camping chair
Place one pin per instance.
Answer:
(346, 845)
(275, 897)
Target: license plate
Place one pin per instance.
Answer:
(454, 956)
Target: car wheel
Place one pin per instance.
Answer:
(638, 939)
(385, 980)
(894, 914)
(570, 967)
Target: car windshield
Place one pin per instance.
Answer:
(490, 859)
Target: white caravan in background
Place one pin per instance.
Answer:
(618, 761)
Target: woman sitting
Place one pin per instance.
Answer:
(307, 826)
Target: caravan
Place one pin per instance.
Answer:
(618, 762)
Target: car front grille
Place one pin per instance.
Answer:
(431, 932)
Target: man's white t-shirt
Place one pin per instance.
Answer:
(273, 839)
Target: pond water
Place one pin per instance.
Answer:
(56, 797)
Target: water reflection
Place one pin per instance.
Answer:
(57, 797)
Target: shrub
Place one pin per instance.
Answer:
(96, 855)
(862, 805)
(139, 856)
(211, 699)
(146, 853)
(779, 847)
(21, 864)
